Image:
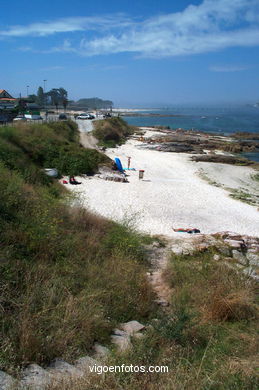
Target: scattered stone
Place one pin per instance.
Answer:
(253, 250)
(235, 236)
(123, 343)
(35, 377)
(7, 382)
(84, 363)
(100, 351)
(162, 302)
(119, 332)
(138, 335)
(60, 369)
(202, 246)
(224, 250)
(216, 257)
(255, 247)
(177, 250)
(132, 327)
(253, 259)
(239, 257)
(235, 244)
(224, 235)
(250, 272)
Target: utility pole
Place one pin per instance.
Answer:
(44, 91)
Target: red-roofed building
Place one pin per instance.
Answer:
(6, 100)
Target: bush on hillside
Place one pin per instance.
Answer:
(112, 131)
(27, 148)
(65, 278)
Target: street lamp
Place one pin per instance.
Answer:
(44, 91)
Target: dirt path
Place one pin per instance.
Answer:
(158, 257)
(88, 141)
(86, 138)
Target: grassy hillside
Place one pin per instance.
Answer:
(27, 147)
(207, 338)
(111, 132)
(67, 276)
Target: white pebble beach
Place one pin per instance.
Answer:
(171, 195)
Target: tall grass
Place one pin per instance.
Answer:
(111, 132)
(67, 276)
(66, 280)
(55, 145)
(207, 339)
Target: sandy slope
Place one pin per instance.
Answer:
(171, 195)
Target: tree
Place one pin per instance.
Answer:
(32, 98)
(95, 102)
(65, 103)
(40, 97)
(58, 96)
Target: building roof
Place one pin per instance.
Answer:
(4, 92)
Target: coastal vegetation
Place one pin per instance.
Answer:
(93, 103)
(219, 158)
(26, 147)
(111, 132)
(207, 337)
(67, 275)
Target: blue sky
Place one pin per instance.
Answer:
(133, 52)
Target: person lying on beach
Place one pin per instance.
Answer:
(189, 230)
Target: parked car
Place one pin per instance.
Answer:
(34, 117)
(62, 117)
(85, 116)
(20, 118)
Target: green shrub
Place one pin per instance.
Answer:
(62, 286)
(112, 131)
(29, 148)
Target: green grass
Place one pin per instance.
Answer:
(111, 132)
(67, 276)
(29, 148)
(243, 196)
(255, 177)
(207, 339)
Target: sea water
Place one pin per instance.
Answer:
(219, 120)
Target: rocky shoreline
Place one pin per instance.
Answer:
(182, 141)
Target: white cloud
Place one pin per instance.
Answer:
(66, 25)
(51, 68)
(210, 26)
(229, 68)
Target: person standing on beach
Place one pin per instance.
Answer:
(129, 158)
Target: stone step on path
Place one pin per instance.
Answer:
(121, 338)
(34, 377)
